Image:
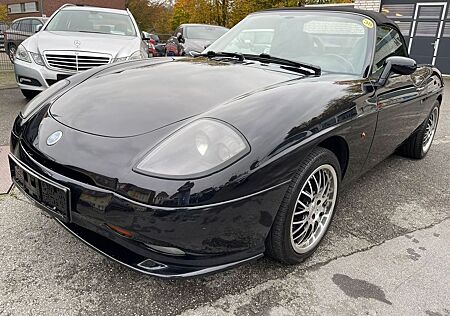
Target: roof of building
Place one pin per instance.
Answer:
(379, 18)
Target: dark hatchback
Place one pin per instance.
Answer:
(245, 157)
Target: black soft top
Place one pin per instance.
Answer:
(379, 18)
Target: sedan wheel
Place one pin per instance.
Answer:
(307, 208)
(12, 52)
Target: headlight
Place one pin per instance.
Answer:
(22, 54)
(118, 60)
(136, 55)
(37, 58)
(198, 149)
(39, 100)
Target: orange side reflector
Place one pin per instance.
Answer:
(121, 231)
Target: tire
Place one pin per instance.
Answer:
(279, 244)
(29, 94)
(12, 52)
(419, 143)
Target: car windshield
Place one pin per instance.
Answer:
(337, 42)
(204, 32)
(92, 22)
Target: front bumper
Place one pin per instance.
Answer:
(211, 237)
(31, 76)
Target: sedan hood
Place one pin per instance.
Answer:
(196, 45)
(88, 42)
(141, 99)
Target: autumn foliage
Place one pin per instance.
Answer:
(164, 16)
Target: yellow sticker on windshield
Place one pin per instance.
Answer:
(367, 23)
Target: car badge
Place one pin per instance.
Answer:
(77, 43)
(54, 138)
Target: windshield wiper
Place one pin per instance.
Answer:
(266, 58)
(212, 54)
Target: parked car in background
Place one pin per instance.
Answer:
(3, 28)
(160, 46)
(156, 48)
(191, 38)
(76, 39)
(20, 30)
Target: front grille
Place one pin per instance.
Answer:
(75, 61)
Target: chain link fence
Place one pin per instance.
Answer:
(5, 62)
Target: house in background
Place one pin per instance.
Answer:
(26, 8)
(424, 24)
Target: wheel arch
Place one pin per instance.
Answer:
(439, 99)
(338, 146)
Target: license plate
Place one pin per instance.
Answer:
(52, 196)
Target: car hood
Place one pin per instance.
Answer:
(115, 45)
(141, 99)
(196, 45)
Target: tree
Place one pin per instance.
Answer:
(165, 15)
(152, 16)
(3, 13)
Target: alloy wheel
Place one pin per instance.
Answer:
(430, 129)
(314, 208)
(12, 53)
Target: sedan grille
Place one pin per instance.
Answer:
(75, 62)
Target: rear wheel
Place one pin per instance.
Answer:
(307, 209)
(418, 144)
(12, 52)
(29, 94)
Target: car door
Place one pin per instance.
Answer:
(11, 33)
(398, 101)
(24, 31)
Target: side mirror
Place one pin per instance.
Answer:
(38, 28)
(145, 36)
(180, 38)
(399, 65)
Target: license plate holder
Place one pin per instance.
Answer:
(51, 196)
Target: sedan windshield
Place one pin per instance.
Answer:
(204, 32)
(337, 42)
(92, 22)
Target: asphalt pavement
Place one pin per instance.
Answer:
(387, 253)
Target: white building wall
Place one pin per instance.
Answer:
(371, 5)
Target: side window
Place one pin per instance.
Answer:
(34, 25)
(25, 26)
(15, 26)
(389, 43)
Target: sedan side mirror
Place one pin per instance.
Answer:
(180, 38)
(399, 65)
(39, 27)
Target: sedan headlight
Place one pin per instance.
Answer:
(39, 100)
(22, 54)
(198, 149)
(37, 58)
(120, 59)
(136, 55)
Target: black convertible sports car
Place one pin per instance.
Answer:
(241, 154)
